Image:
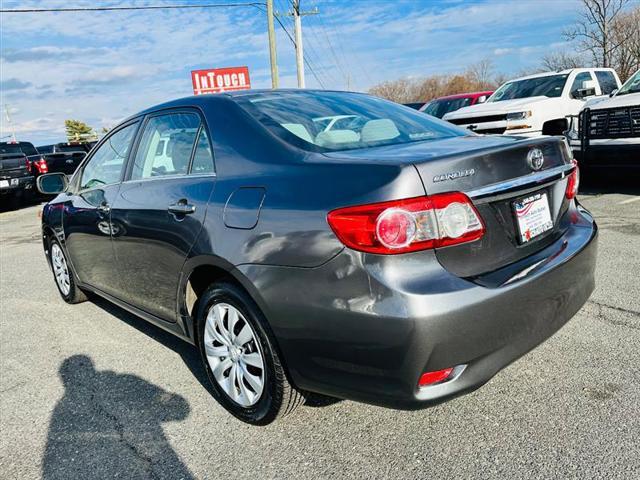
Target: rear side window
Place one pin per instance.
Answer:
(577, 83)
(105, 166)
(202, 158)
(166, 145)
(607, 81)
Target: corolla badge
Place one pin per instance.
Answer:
(535, 159)
(453, 175)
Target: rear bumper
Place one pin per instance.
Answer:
(365, 327)
(17, 184)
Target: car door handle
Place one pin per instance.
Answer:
(182, 208)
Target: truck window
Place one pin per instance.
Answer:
(577, 83)
(607, 81)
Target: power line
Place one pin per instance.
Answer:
(142, 7)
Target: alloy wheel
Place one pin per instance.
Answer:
(233, 353)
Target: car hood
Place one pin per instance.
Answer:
(628, 100)
(496, 108)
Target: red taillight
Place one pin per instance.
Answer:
(573, 182)
(431, 378)
(28, 164)
(408, 225)
(42, 166)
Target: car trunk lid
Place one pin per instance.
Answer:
(502, 181)
(494, 172)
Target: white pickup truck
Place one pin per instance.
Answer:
(537, 104)
(611, 138)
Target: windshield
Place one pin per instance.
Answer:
(548, 86)
(329, 121)
(439, 108)
(630, 86)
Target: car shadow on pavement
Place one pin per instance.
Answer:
(189, 354)
(109, 425)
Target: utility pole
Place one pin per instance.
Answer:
(297, 17)
(8, 116)
(275, 82)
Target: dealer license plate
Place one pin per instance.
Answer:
(4, 183)
(533, 216)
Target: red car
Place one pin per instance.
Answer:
(439, 107)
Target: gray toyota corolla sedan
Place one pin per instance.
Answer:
(327, 242)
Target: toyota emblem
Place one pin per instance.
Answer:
(535, 159)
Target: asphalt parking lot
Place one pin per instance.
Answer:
(90, 391)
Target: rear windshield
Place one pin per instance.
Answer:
(28, 148)
(45, 149)
(69, 148)
(330, 121)
(439, 108)
(10, 149)
(548, 86)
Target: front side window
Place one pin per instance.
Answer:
(166, 145)
(330, 121)
(547, 86)
(577, 83)
(607, 81)
(105, 166)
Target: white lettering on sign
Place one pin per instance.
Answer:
(220, 80)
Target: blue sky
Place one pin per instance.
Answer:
(100, 67)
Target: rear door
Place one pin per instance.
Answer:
(86, 218)
(160, 209)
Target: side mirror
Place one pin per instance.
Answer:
(613, 92)
(481, 99)
(52, 183)
(588, 89)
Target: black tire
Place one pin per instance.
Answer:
(279, 397)
(75, 294)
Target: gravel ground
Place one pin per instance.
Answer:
(90, 391)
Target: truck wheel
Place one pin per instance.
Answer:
(63, 275)
(240, 357)
(555, 127)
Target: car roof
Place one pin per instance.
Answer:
(196, 100)
(560, 72)
(464, 95)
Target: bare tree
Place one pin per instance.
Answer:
(481, 73)
(396, 90)
(561, 60)
(626, 32)
(593, 29)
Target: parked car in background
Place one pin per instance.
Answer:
(16, 179)
(401, 263)
(606, 133)
(439, 107)
(414, 105)
(60, 157)
(537, 104)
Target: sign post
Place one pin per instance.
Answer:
(216, 80)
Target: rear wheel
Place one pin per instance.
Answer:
(239, 354)
(63, 275)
